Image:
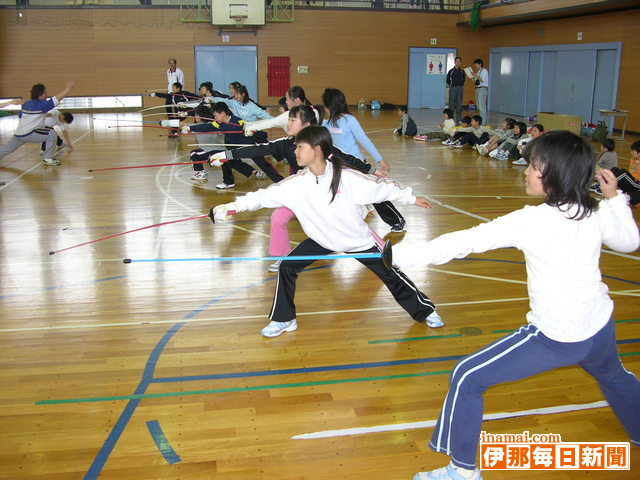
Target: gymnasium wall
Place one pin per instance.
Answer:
(608, 27)
(364, 53)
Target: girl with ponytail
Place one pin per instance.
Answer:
(300, 116)
(326, 197)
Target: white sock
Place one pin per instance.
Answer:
(463, 472)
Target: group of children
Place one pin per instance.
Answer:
(503, 144)
(570, 318)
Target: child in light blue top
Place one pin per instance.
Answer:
(242, 106)
(346, 130)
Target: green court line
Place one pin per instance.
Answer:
(410, 339)
(236, 389)
(627, 321)
(248, 389)
(630, 320)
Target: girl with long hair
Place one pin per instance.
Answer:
(326, 197)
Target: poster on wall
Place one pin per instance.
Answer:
(436, 63)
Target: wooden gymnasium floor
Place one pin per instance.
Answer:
(101, 360)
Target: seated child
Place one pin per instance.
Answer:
(475, 134)
(457, 133)
(608, 158)
(447, 128)
(509, 147)
(534, 132)
(626, 181)
(500, 135)
(407, 125)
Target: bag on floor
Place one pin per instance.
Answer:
(600, 133)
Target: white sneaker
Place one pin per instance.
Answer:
(502, 155)
(446, 473)
(200, 175)
(482, 150)
(520, 161)
(457, 144)
(223, 186)
(276, 328)
(447, 142)
(434, 320)
(275, 266)
(260, 174)
(493, 153)
(51, 161)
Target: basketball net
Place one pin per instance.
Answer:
(239, 19)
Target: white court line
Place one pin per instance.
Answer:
(627, 293)
(390, 130)
(37, 165)
(464, 212)
(156, 245)
(483, 277)
(242, 317)
(432, 423)
(480, 196)
(197, 212)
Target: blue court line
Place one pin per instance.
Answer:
(289, 371)
(523, 263)
(628, 340)
(162, 443)
(127, 413)
(147, 377)
(204, 306)
(118, 429)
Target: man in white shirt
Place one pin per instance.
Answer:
(481, 80)
(174, 74)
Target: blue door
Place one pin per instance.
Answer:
(222, 65)
(604, 92)
(574, 87)
(508, 71)
(428, 69)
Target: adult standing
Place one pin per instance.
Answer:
(455, 82)
(31, 127)
(481, 80)
(174, 75)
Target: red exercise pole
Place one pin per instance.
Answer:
(129, 231)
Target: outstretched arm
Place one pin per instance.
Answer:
(67, 89)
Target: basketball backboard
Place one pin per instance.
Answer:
(241, 13)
